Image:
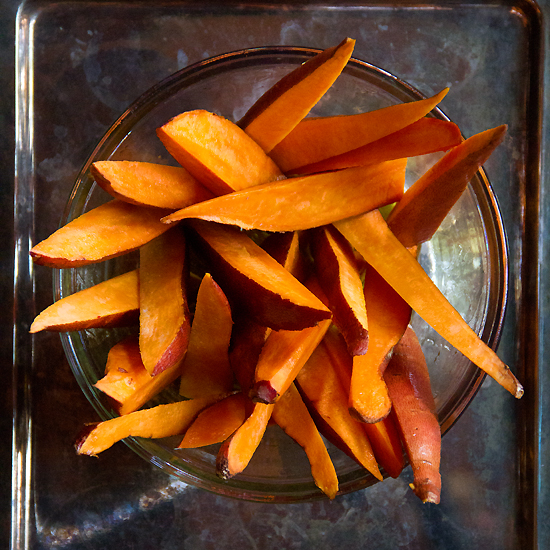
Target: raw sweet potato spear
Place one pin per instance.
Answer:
(383, 435)
(389, 316)
(426, 203)
(216, 423)
(126, 379)
(286, 103)
(124, 371)
(164, 318)
(284, 353)
(110, 230)
(156, 422)
(316, 139)
(292, 415)
(408, 382)
(326, 398)
(304, 202)
(427, 135)
(254, 282)
(149, 184)
(236, 452)
(217, 152)
(206, 368)
(372, 238)
(338, 276)
(114, 302)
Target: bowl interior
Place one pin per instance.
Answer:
(466, 259)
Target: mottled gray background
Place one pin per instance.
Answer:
(206, 521)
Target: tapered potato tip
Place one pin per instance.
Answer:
(290, 99)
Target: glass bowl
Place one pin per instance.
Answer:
(466, 259)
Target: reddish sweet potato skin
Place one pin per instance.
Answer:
(409, 387)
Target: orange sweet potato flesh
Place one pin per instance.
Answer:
(410, 390)
(110, 230)
(339, 277)
(156, 422)
(284, 353)
(216, 423)
(124, 371)
(372, 238)
(236, 452)
(285, 104)
(114, 302)
(206, 368)
(427, 135)
(383, 435)
(218, 153)
(316, 139)
(426, 203)
(325, 396)
(126, 379)
(304, 202)
(149, 184)
(292, 415)
(388, 317)
(255, 283)
(164, 316)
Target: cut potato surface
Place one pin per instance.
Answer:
(149, 184)
(112, 303)
(110, 230)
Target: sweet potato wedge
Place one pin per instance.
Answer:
(292, 415)
(217, 152)
(206, 368)
(427, 135)
(286, 103)
(216, 423)
(236, 452)
(316, 139)
(156, 422)
(124, 371)
(149, 184)
(112, 229)
(126, 379)
(284, 353)
(372, 238)
(164, 317)
(383, 435)
(388, 316)
(409, 385)
(426, 203)
(255, 283)
(326, 398)
(304, 202)
(114, 302)
(339, 277)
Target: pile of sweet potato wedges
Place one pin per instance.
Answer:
(299, 314)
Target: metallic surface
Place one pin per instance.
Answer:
(79, 64)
